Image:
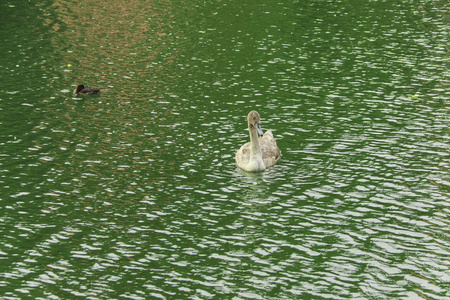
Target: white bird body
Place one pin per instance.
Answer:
(261, 152)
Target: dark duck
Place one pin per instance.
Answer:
(81, 89)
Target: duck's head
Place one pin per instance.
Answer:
(254, 121)
(80, 87)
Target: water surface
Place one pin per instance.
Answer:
(134, 193)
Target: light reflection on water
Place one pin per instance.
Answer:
(134, 192)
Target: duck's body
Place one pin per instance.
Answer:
(261, 152)
(81, 89)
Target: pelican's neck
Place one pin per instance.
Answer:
(255, 148)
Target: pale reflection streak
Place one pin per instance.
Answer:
(107, 45)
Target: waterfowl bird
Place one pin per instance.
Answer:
(86, 90)
(261, 152)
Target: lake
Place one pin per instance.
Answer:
(134, 193)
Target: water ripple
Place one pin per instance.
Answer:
(134, 193)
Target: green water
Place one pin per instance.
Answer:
(134, 193)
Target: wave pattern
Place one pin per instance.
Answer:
(135, 194)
